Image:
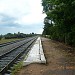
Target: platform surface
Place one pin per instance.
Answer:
(36, 54)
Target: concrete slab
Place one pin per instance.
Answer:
(36, 54)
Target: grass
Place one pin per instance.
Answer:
(16, 68)
(7, 40)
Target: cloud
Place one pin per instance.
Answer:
(7, 21)
(14, 8)
(25, 29)
(21, 14)
(30, 19)
(4, 18)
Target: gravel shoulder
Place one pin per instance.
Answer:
(60, 60)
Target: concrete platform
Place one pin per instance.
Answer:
(36, 54)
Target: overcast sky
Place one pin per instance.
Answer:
(21, 16)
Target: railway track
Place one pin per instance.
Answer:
(8, 43)
(9, 58)
(10, 47)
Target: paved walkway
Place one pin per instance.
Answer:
(36, 54)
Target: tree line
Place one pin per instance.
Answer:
(59, 23)
(16, 35)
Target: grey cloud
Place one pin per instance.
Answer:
(6, 18)
(8, 21)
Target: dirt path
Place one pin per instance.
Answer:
(59, 61)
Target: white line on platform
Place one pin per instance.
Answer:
(36, 54)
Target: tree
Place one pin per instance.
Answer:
(1, 36)
(62, 14)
